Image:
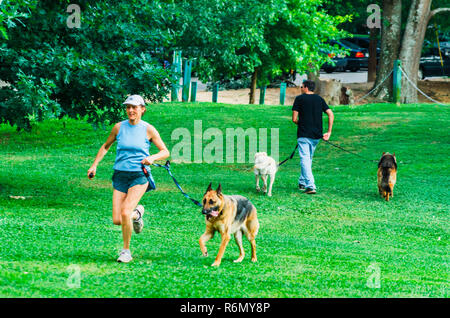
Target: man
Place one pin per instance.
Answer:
(307, 115)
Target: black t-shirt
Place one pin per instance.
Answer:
(310, 108)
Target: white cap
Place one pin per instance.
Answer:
(135, 100)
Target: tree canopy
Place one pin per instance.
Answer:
(231, 37)
(53, 70)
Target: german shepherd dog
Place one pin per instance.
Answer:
(387, 175)
(228, 214)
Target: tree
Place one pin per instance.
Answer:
(409, 53)
(419, 15)
(261, 38)
(390, 46)
(55, 70)
(11, 13)
(357, 24)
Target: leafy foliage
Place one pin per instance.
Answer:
(11, 12)
(233, 37)
(120, 48)
(87, 70)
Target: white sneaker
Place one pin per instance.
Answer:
(138, 224)
(125, 256)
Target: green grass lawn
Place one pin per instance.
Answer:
(332, 244)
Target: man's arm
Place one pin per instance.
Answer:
(295, 116)
(330, 114)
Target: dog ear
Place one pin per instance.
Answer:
(209, 187)
(219, 189)
(383, 152)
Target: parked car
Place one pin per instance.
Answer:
(430, 63)
(340, 63)
(364, 43)
(353, 61)
(445, 45)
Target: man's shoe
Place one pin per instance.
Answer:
(301, 187)
(310, 191)
(138, 224)
(125, 256)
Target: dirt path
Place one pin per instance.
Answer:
(436, 89)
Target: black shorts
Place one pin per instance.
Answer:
(123, 180)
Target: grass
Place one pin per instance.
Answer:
(332, 244)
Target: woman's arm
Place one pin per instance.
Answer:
(163, 153)
(103, 150)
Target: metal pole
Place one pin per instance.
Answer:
(215, 92)
(282, 93)
(177, 70)
(186, 82)
(193, 91)
(262, 94)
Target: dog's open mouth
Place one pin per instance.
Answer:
(212, 214)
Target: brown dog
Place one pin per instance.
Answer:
(387, 175)
(228, 214)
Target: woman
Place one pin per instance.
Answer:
(134, 137)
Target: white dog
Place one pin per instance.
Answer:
(264, 166)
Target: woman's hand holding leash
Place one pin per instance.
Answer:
(91, 172)
(148, 161)
(326, 136)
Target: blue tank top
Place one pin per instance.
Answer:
(132, 146)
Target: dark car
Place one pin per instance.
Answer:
(355, 59)
(339, 63)
(430, 63)
(364, 43)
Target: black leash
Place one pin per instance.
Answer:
(339, 147)
(167, 167)
(290, 157)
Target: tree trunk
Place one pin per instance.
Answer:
(412, 43)
(330, 90)
(390, 44)
(372, 67)
(313, 75)
(253, 86)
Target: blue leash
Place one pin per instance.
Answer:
(167, 167)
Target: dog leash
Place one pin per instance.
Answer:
(290, 157)
(339, 147)
(330, 143)
(167, 167)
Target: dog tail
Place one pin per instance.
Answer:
(386, 173)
